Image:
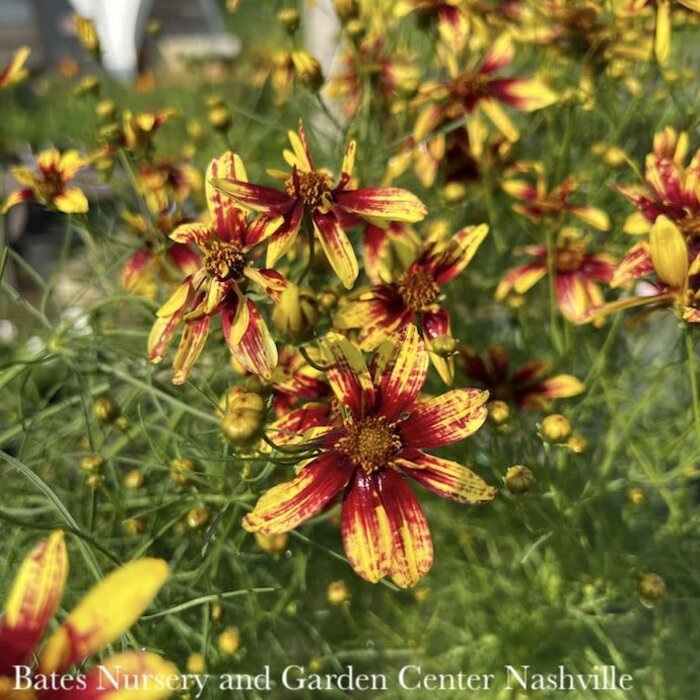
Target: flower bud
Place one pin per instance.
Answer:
(244, 417)
(229, 641)
(197, 517)
(134, 527)
(577, 444)
(499, 412)
(346, 9)
(636, 496)
(220, 118)
(289, 18)
(87, 85)
(106, 410)
(296, 314)
(555, 428)
(195, 130)
(443, 345)
(308, 70)
(337, 593)
(327, 300)
(87, 35)
(213, 101)
(651, 587)
(356, 29)
(94, 481)
(106, 110)
(133, 479)
(454, 192)
(180, 470)
(272, 543)
(216, 612)
(519, 479)
(92, 463)
(195, 663)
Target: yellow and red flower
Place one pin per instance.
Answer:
(49, 185)
(218, 287)
(673, 265)
(528, 386)
(15, 72)
(100, 618)
(310, 193)
(450, 16)
(539, 202)
(576, 274)
(379, 438)
(414, 297)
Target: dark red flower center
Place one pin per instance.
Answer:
(469, 84)
(313, 188)
(570, 257)
(418, 288)
(225, 261)
(371, 443)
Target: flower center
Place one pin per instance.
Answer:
(370, 443)
(418, 289)
(690, 227)
(313, 188)
(570, 257)
(225, 261)
(469, 84)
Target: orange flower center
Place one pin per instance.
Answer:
(570, 257)
(313, 188)
(370, 443)
(418, 289)
(225, 261)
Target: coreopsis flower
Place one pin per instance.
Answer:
(466, 93)
(219, 286)
(672, 266)
(670, 186)
(100, 618)
(576, 274)
(387, 74)
(540, 202)
(377, 440)
(414, 296)
(528, 386)
(15, 72)
(49, 184)
(309, 193)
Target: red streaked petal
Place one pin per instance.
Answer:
(290, 428)
(287, 505)
(520, 279)
(256, 197)
(196, 233)
(387, 203)
(194, 337)
(348, 375)
(284, 237)
(348, 164)
(525, 94)
(445, 477)
(271, 281)
(636, 263)
(499, 55)
(459, 252)
(162, 334)
(256, 349)
(412, 551)
(229, 220)
(367, 537)
(445, 419)
(576, 295)
(337, 247)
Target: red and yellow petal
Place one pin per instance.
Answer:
(563, 386)
(287, 505)
(284, 236)
(500, 54)
(17, 197)
(256, 349)
(382, 203)
(70, 163)
(401, 371)
(33, 599)
(445, 419)
(412, 550)
(337, 247)
(196, 233)
(266, 200)
(445, 477)
(593, 216)
(229, 220)
(71, 201)
(105, 613)
(576, 295)
(15, 72)
(460, 251)
(367, 536)
(520, 279)
(194, 337)
(525, 94)
(348, 375)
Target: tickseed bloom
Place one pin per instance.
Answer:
(49, 184)
(675, 265)
(309, 194)
(219, 286)
(540, 202)
(528, 386)
(380, 438)
(414, 296)
(670, 186)
(576, 274)
(100, 618)
(15, 72)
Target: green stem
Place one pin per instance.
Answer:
(693, 375)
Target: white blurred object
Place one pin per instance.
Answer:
(120, 24)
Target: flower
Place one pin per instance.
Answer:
(414, 296)
(49, 186)
(309, 192)
(15, 72)
(99, 619)
(528, 386)
(676, 266)
(218, 286)
(378, 438)
(450, 15)
(576, 273)
(540, 202)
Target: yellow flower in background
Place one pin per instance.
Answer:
(100, 618)
(662, 39)
(49, 186)
(15, 72)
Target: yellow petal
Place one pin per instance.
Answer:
(105, 613)
(500, 119)
(636, 224)
(662, 40)
(176, 301)
(669, 252)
